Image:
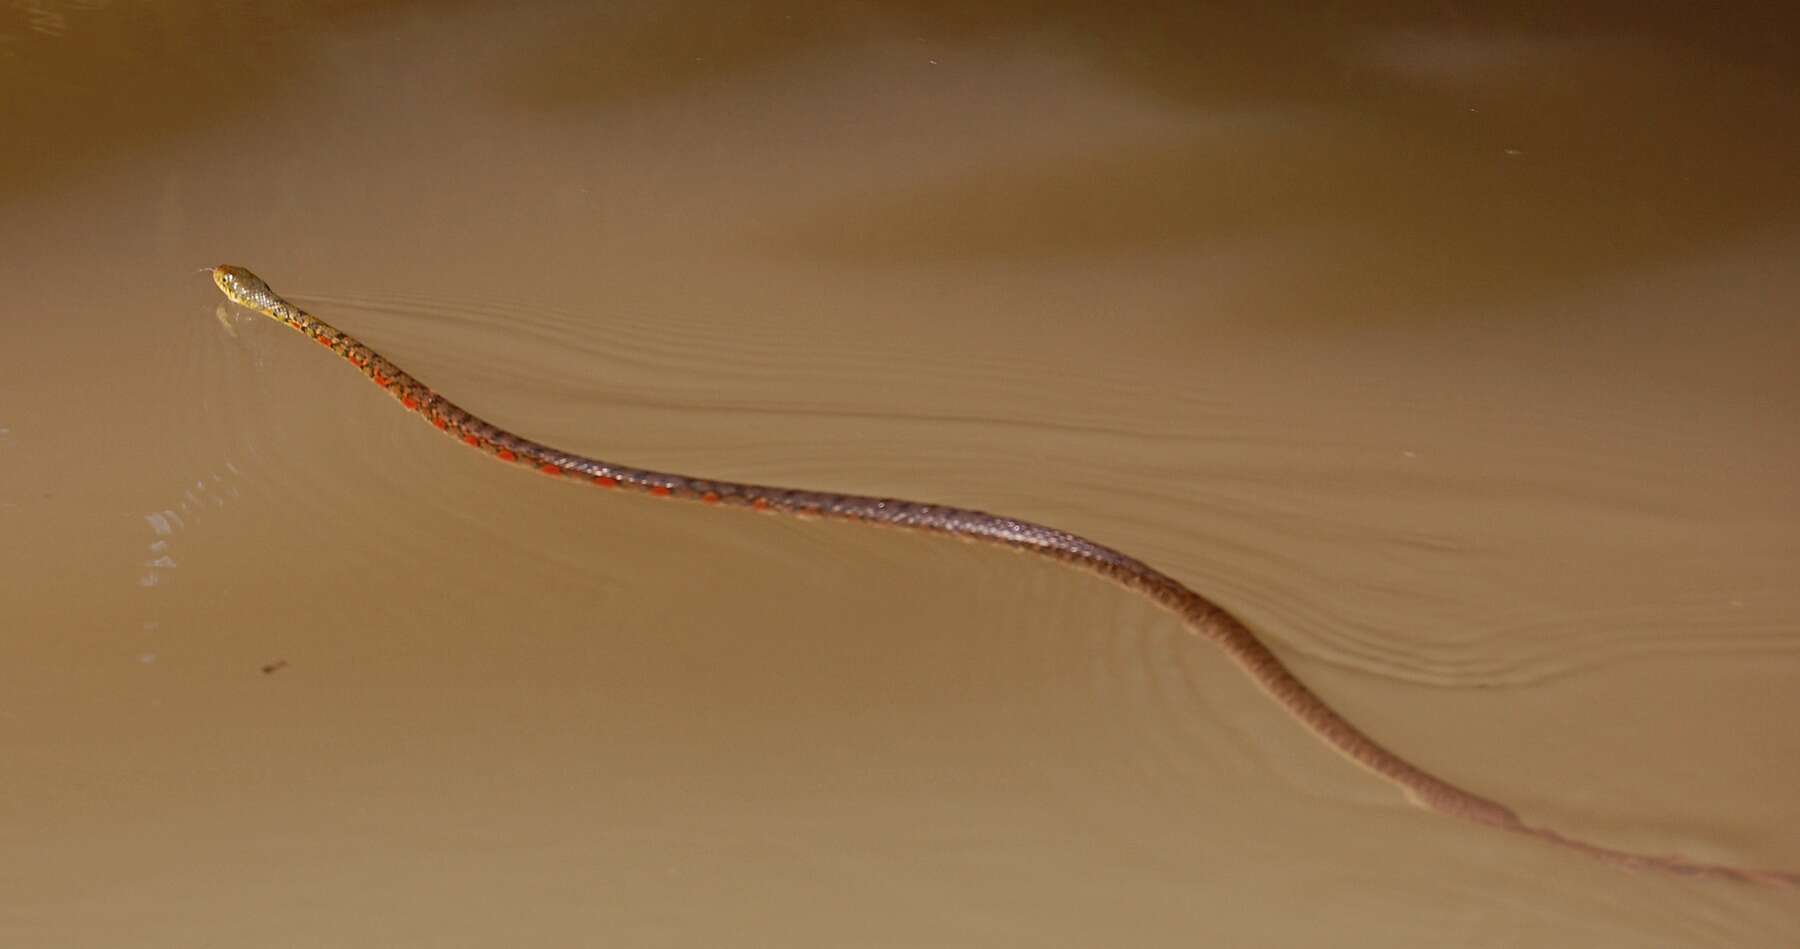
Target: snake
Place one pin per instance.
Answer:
(1200, 615)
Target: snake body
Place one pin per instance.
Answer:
(1201, 615)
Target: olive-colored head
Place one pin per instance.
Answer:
(245, 288)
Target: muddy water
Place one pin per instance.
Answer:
(1453, 353)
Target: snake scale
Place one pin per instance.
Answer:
(1201, 615)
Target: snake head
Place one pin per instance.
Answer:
(245, 288)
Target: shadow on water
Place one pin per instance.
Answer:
(1446, 156)
(1449, 156)
(90, 82)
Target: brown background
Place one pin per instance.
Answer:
(1452, 349)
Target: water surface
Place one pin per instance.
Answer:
(1454, 352)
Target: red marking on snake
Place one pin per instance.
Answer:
(472, 440)
(660, 490)
(710, 497)
(440, 423)
(606, 482)
(410, 402)
(550, 469)
(506, 455)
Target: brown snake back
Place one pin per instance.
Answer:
(1201, 615)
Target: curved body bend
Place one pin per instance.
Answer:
(1200, 615)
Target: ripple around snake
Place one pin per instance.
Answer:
(1201, 615)
(704, 356)
(1542, 644)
